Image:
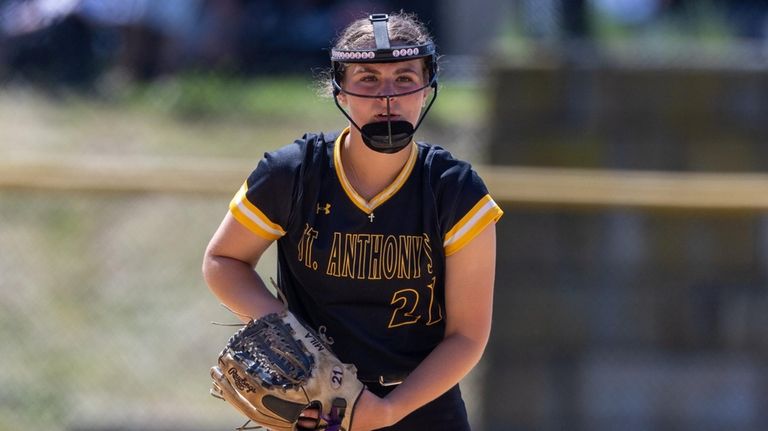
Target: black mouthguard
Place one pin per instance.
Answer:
(388, 136)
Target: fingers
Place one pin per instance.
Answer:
(309, 419)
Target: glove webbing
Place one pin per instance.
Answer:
(261, 347)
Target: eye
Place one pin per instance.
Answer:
(368, 78)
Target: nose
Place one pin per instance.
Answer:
(387, 90)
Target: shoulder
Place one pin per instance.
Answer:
(299, 148)
(462, 200)
(303, 151)
(442, 167)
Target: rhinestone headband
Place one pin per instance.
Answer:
(383, 55)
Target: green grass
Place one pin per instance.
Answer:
(203, 96)
(103, 308)
(284, 100)
(200, 116)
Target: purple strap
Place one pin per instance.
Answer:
(333, 420)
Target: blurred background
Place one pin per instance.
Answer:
(625, 140)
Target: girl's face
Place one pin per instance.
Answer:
(382, 79)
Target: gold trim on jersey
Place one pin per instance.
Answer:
(359, 201)
(481, 215)
(252, 218)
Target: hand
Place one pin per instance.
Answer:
(312, 414)
(371, 413)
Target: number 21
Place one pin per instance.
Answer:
(406, 302)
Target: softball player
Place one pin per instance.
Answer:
(385, 245)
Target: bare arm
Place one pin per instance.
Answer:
(228, 269)
(469, 301)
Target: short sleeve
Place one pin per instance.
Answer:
(465, 206)
(264, 202)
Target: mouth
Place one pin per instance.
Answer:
(390, 117)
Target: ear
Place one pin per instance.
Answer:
(342, 97)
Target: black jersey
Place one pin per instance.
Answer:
(370, 274)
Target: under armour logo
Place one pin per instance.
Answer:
(325, 209)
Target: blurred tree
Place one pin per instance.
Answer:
(575, 19)
(58, 53)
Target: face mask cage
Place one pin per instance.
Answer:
(393, 135)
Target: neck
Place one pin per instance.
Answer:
(369, 171)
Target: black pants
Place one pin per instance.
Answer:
(445, 413)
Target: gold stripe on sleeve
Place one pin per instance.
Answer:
(252, 218)
(485, 212)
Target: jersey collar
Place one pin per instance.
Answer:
(384, 195)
